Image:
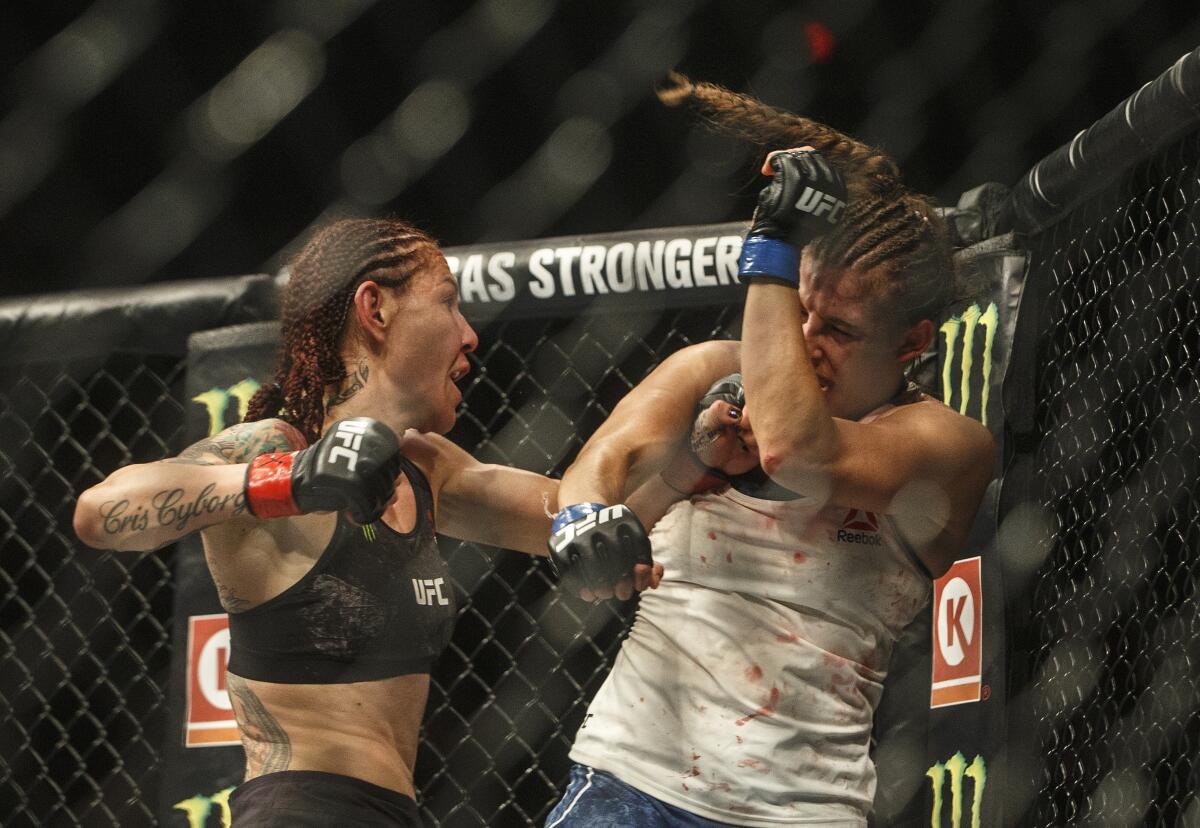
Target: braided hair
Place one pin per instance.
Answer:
(316, 303)
(884, 223)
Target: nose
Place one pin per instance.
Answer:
(470, 339)
(813, 341)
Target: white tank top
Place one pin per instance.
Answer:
(746, 689)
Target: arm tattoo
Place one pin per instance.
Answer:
(241, 444)
(268, 748)
(356, 382)
(169, 507)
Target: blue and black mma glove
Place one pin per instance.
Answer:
(804, 199)
(594, 546)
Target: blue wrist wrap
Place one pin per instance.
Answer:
(765, 256)
(570, 514)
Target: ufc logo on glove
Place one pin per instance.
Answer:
(581, 527)
(350, 434)
(818, 203)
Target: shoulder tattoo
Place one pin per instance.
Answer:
(242, 443)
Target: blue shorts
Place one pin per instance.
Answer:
(595, 799)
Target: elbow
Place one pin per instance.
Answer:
(87, 523)
(780, 457)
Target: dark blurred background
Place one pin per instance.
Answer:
(144, 140)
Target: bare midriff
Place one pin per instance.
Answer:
(367, 730)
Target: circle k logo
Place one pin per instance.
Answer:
(956, 621)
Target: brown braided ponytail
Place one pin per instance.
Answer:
(316, 303)
(884, 223)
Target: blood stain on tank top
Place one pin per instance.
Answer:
(789, 638)
(754, 764)
(799, 557)
(728, 557)
(755, 673)
(695, 756)
(712, 535)
(767, 710)
(703, 559)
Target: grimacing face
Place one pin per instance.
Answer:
(427, 352)
(859, 348)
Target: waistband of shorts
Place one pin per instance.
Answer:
(396, 798)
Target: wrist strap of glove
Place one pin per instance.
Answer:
(769, 258)
(570, 514)
(269, 486)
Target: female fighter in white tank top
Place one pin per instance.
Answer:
(746, 689)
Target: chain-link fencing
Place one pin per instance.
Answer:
(1102, 525)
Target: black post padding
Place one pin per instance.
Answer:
(1156, 115)
(152, 319)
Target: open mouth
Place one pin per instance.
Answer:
(459, 373)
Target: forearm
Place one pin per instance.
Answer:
(782, 391)
(598, 475)
(144, 507)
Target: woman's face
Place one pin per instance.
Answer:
(427, 351)
(859, 349)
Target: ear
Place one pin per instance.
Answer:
(916, 340)
(369, 312)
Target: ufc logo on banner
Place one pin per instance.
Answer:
(428, 590)
(581, 527)
(958, 635)
(819, 203)
(350, 434)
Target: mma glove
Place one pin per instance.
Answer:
(352, 468)
(804, 199)
(687, 473)
(756, 482)
(727, 389)
(594, 546)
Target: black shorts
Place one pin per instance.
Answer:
(314, 799)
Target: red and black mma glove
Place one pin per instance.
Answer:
(593, 546)
(804, 199)
(352, 468)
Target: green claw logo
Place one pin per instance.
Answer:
(966, 323)
(957, 769)
(216, 403)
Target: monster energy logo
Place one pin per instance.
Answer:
(198, 808)
(368, 531)
(966, 324)
(957, 769)
(216, 402)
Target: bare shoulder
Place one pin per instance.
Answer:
(953, 438)
(723, 355)
(242, 443)
(697, 365)
(436, 456)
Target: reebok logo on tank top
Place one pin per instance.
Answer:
(861, 527)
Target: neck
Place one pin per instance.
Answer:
(364, 392)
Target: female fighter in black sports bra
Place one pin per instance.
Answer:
(318, 525)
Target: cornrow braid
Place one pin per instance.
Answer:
(316, 303)
(884, 222)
